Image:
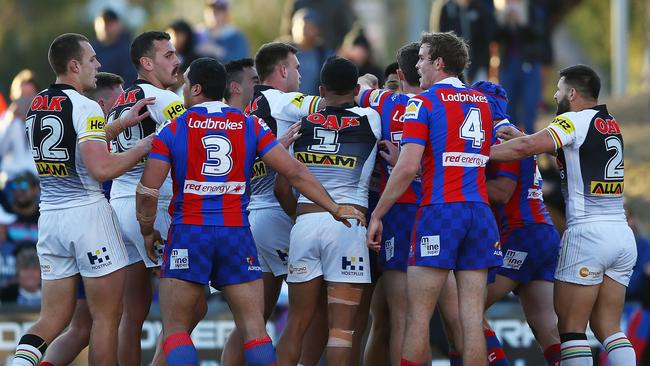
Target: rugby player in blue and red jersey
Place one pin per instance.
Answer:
(447, 131)
(210, 150)
(398, 221)
(529, 240)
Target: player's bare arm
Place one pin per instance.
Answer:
(284, 194)
(500, 190)
(103, 165)
(132, 118)
(300, 177)
(146, 202)
(523, 147)
(388, 151)
(408, 165)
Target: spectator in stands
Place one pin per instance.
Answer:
(336, 18)
(221, 39)
(470, 20)
(359, 51)
(184, 40)
(312, 54)
(27, 290)
(24, 85)
(392, 80)
(7, 252)
(113, 46)
(15, 152)
(22, 196)
(522, 27)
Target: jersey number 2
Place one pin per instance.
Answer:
(218, 161)
(472, 129)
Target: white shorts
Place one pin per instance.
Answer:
(591, 250)
(130, 228)
(271, 228)
(322, 246)
(83, 239)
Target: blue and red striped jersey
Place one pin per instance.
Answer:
(211, 149)
(390, 107)
(526, 205)
(454, 124)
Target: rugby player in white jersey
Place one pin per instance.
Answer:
(598, 249)
(157, 64)
(78, 232)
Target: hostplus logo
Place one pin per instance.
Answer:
(99, 258)
(352, 266)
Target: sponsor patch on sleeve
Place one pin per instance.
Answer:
(174, 109)
(375, 95)
(564, 123)
(412, 109)
(95, 124)
(297, 101)
(263, 124)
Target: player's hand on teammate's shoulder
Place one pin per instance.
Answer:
(368, 81)
(388, 151)
(133, 117)
(373, 236)
(145, 142)
(345, 213)
(150, 242)
(508, 133)
(290, 135)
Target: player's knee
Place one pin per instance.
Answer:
(344, 295)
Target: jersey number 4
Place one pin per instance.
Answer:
(472, 128)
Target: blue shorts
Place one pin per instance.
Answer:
(223, 255)
(396, 237)
(530, 253)
(456, 235)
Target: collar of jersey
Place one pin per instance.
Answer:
(62, 86)
(212, 106)
(454, 81)
(141, 81)
(261, 88)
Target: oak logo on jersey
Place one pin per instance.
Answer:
(314, 159)
(332, 122)
(606, 188)
(174, 109)
(564, 123)
(99, 258)
(430, 246)
(352, 266)
(95, 124)
(412, 108)
(127, 98)
(259, 170)
(53, 169)
(45, 103)
(607, 126)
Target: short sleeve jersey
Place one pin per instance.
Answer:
(590, 156)
(454, 124)
(279, 110)
(339, 146)
(167, 105)
(211, 148)
(58, 121)
(390, 107)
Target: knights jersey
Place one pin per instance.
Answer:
(167, 105)
(526, 205)
(454, 124)
(390, 107)
(58, 121)
(339, 146)
(279, 110)
(211, 148)
(590, 156)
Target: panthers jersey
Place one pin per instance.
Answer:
(166, 106)
(390, 107)
(590, 156)
(339, 146)
(454, 124)
(279, 110)
(211, 149)
(58, 121)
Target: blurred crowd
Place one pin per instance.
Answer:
(510, 42)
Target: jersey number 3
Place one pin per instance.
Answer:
(218, 161)
(472, 129)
